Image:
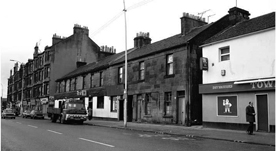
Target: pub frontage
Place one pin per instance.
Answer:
(224, 104)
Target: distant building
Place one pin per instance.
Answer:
(163, 77)
(3, 103)
(241, 69)
(40, 72)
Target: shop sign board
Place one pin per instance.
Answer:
(227, 105)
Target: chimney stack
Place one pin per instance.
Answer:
(35, 51)
(141, 40)
(78, 29)
(237, 15)
(56, 39)
(189, 21)
(15, 68)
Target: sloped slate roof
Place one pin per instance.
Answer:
(170, 42)
(91, 66)
(245, 27)
(167, 43)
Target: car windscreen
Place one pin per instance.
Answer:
(8, 111)
(75, 106)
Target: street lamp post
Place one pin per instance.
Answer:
(125, 91)
(22, 86)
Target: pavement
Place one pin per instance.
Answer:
(238, 136)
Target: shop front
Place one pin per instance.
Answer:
(224, 104)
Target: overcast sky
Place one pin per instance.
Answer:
(27, 22)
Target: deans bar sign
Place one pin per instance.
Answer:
(234, 87)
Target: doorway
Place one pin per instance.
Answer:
(262, 112)
(129, 108)
(180, 107)
(121, 109)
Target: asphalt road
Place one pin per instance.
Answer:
(42, 135)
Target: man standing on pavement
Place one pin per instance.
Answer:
(250, 117)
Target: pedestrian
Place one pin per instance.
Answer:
(250, 117)
(89, 113)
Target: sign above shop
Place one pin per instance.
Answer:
(232, 87)
(82, 92)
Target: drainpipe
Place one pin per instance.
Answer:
(188, 102)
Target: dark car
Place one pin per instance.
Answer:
(8, 113)
(36, 114)
(26, 114)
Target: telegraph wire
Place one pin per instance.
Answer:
(119, 15)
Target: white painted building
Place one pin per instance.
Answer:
(241, 68)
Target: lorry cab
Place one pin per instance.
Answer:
(66, 110)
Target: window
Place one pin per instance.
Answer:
(168, 103)
(120, 75)
(100, 102)
(83, 82)
(169, 64)
(101, 79)
(147, 105)
(91, 80)
(141, 70)
(224, 53)
(113, 104)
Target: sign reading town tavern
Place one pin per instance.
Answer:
(233, 87)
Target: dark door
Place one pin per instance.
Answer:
(121, 109)
(180, 107)
(129, 108)
(262, 112)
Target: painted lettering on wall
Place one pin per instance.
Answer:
(222, 87)
(263, 84)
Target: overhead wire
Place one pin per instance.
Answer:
(119, 15)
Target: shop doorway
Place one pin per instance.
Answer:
(129, 108)
(262, 112)
(121, 109)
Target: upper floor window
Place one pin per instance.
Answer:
(101, 78)
(120, 75)
(142, 70)
(91, 80)
(169, 64)
(224, 53)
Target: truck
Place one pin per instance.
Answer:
(67, 110)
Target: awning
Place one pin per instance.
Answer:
(254, 81)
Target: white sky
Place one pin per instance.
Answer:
(26, 22)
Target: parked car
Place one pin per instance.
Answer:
(26, 114)
(8, 113)
(36, 114)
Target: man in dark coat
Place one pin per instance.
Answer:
(250, 117)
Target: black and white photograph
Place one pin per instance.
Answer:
(137, 75)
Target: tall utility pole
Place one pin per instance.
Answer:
(125, 90)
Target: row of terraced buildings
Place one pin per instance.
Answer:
(166, 82)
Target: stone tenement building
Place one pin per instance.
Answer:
(40, 72)
(163, 77)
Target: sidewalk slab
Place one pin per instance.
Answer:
(259, 138)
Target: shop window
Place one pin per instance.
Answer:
(224, 53)
(113, 104)
(168, 104)
(100, 102)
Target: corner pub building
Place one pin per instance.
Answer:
(241, 69)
